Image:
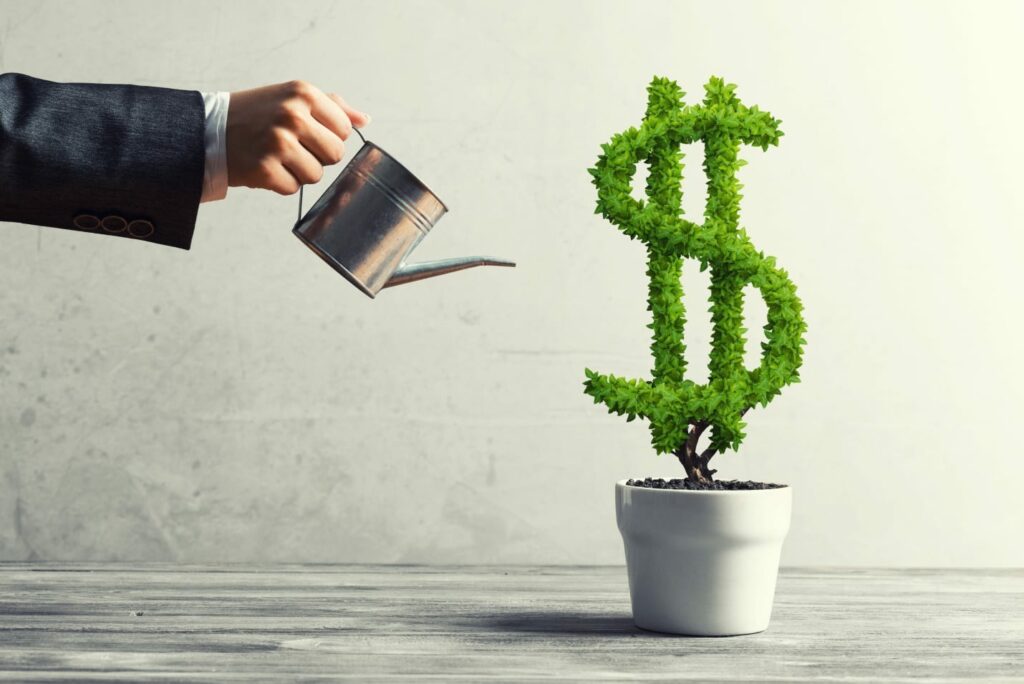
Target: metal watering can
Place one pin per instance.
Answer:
(371, 218)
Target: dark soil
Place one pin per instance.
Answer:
(718, 485)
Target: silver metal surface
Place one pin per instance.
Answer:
(407, 273)
(371, 218)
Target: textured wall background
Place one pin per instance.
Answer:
(242, 402)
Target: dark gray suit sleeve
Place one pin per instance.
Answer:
(111, 159)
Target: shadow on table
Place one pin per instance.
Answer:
(574, 624)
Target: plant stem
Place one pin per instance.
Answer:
(696, 463)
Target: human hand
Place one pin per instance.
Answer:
(281, 136)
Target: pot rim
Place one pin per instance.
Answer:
(621, 484)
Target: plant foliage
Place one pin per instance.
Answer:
(675, 407)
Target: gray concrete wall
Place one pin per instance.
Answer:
(242, 402)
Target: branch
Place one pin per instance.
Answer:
(687, 453)
(696, 430)
(706, 455)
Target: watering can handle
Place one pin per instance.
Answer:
(361, 137)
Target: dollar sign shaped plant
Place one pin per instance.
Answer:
(680, 410)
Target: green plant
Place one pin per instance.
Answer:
(680, 410)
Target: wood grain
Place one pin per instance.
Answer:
(402, 623)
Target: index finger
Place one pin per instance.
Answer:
(330, 114)
(358, 118)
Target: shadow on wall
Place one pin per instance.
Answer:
(474, 528)
(98, 512)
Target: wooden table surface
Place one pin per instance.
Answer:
(414, 623)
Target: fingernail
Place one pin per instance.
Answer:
(366, 116)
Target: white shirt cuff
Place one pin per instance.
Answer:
(215, 173)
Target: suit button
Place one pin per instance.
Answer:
(113, 224)
(140, 228)
(86, 222)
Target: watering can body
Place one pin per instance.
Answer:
(371, 218)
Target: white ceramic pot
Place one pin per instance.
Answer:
(702, 563)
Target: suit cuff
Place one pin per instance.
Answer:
(215, 173)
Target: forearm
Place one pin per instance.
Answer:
(69, 149)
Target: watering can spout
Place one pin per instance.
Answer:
(408, 273)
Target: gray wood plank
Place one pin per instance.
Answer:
(409, 623)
